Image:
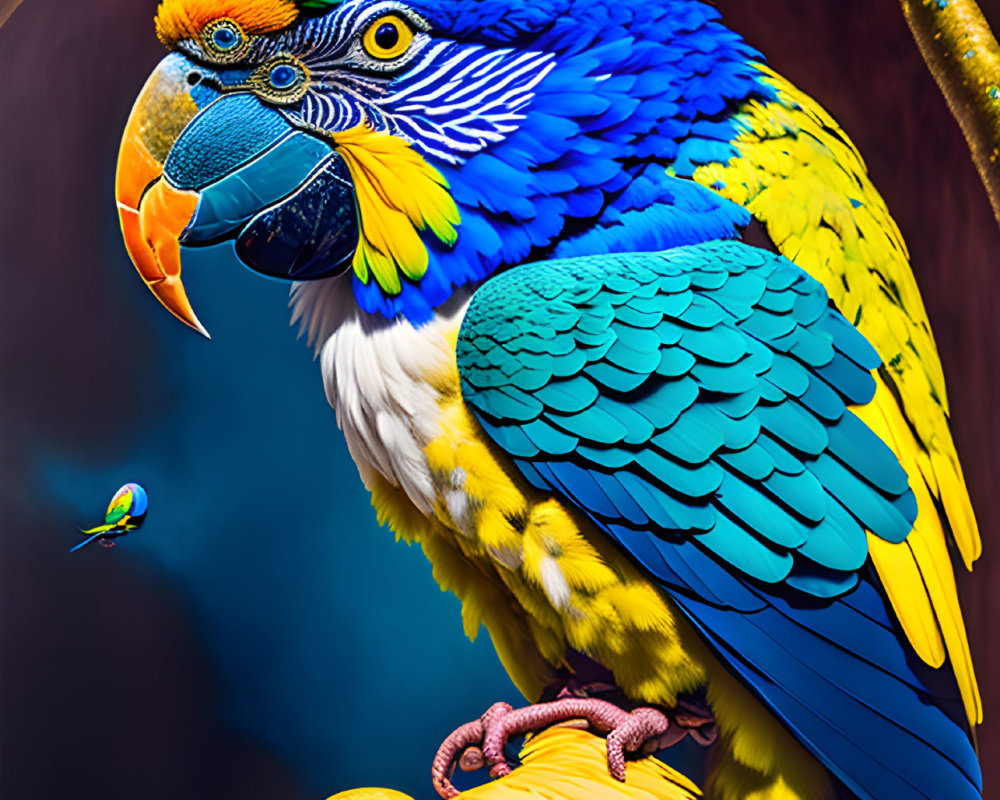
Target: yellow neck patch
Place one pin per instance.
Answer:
(184, 19)
(399, 194)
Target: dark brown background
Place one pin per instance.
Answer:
(105, 690)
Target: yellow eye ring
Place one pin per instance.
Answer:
(388, 37)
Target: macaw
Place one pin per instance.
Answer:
(618, 329)
(126, 513)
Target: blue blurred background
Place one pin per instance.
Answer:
(260, 637)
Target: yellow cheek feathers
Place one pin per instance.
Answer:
(184, 19)
(398, 194)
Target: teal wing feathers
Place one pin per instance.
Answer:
(704, 390)
(695, 405)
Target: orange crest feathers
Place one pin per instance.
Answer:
(184, 19)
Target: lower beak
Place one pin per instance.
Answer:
(153, 213)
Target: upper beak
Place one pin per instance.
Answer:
(154, 213)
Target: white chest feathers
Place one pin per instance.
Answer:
(380, 379)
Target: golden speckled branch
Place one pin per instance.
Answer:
(962, 53)
(7, 8)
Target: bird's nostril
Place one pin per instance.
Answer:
(194, 78)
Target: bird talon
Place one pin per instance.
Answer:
(642, 729)
(446, 790)
(471, 760)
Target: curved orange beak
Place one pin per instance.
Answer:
(153, 213)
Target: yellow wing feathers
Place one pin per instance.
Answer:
(917, 574)
(544, 581)
(800, 175)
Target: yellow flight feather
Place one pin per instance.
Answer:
(917, 574)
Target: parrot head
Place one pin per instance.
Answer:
(412, 147)
(132, 500)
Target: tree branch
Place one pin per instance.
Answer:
(956, 42)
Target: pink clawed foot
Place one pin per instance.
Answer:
(464, 744)
(481, 743)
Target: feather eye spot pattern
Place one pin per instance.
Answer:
(225, 37)
(224, 42)
(283, 81)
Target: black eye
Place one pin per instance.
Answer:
(283, 76)
(387, 36)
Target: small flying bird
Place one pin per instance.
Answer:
(126, 512)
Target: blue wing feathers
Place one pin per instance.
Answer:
(549, 440)
(823, 401)
(628, 508)
(733, 543)
(872, 510)
(784, 461)
(800, 493)
(788, 375)
(696, 440)
(753, 462)
(824, 583)
(879, 467)
(823, 735)
(694, 403)
(841, 544)
(762, 514)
